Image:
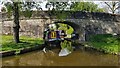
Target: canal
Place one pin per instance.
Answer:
(80, 57)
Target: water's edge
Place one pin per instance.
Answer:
(40, 47)
(22, 51)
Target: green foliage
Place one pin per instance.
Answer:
(57, 5)
(101, 37)
(26, 42)
(27, 13)
(66, 27)
(85, 6)
(66, 44)
(58, 9)
(23, 6)
(17, 51)
(61, 15)
(105, 42)
(9, 8)
(27, 8)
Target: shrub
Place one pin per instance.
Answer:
(66, 44)
(105, 42)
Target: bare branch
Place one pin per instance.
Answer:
(113, 7)
(108, 5)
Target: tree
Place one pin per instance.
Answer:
(113, 6)
(16, 25)
(15, 8)
(85, 6)
(58, 5)
(58, 9)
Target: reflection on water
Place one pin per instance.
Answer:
(51, 58)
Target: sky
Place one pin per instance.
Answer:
(43, 4)
(96, 2)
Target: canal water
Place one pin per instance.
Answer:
(78, 57)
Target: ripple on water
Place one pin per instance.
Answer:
(51, 58)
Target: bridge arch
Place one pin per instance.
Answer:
(77, 28)
(72, 24)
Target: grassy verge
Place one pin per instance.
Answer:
(26, 42)
(105, 42)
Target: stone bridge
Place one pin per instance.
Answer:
(84, 23)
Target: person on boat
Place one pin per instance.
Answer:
(62, 34)
(57, 37)
(45, 33)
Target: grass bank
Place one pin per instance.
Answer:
(26, 42)
(105, 42)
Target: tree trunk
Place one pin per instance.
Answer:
(16, 25)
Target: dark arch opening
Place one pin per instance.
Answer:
(72, 24)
